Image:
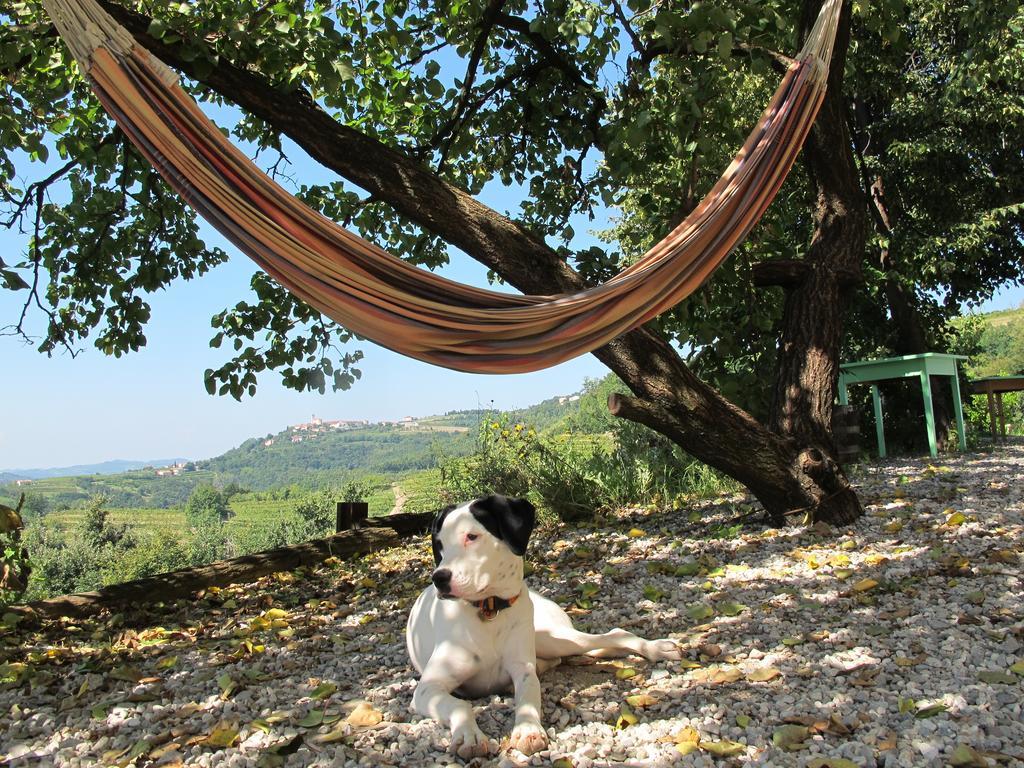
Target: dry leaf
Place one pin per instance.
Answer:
(221, 737)
(763, 674)
(364, 715)
(790, 737)
(723, 748)
(956, 519)
(641, 700)
(995, 677)
(965, 757)
(864, 585)
(337, 734)
(688, 735)
(627, 717)
(721, 675)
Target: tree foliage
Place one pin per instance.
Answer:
(578, 104)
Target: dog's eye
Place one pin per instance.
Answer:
(471, 537)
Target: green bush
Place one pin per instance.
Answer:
(207, 507)
(571, 475)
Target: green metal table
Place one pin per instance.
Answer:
(921, 366)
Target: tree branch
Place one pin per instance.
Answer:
(450, 128)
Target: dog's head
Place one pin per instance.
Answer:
(479, 548)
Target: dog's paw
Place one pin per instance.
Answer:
(528, 738)
(469, 741)
(662, 650)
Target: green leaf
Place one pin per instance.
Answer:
(312, 719)
(725, 46)
(700, 611)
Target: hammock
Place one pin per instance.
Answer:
(391, 302)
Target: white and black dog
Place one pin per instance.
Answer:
(477, 630)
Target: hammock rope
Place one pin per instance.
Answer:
(385, 299)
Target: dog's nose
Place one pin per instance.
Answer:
(442, 579)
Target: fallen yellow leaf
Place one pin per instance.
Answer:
(864, 585)
(222, 737)
(364, 715)
(723, 748)
(641, 700)
(955, 519)
(763, 674)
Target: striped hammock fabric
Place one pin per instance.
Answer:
(391, 302)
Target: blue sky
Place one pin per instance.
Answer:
(152, 404)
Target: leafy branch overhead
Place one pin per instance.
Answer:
(577, 105)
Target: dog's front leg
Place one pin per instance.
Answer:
(528, 734)
(448, 668)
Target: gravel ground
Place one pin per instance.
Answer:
(894, 642)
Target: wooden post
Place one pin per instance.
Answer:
(351, 514)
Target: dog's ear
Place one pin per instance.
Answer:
(435, 530)
(510, 520)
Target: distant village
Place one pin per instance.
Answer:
(317, 426)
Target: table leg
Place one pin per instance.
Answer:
(929, 414)
(958, 407)
(879, 428)
(1002, 420)
(992, 416)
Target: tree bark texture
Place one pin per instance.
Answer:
(807, 372)
(666, 395)
(377, 534)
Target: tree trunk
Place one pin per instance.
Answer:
(807, 372)
(785, 473)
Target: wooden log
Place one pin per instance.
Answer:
(378, 534)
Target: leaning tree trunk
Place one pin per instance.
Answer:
(787, 472)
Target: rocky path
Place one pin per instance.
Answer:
(896, 641)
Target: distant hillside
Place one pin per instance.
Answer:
(113, 467)
(316, 458)
(308, 455)
(998, 338)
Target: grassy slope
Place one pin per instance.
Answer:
(395, 456)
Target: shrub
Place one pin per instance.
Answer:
(572, 475)
(206, 507)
